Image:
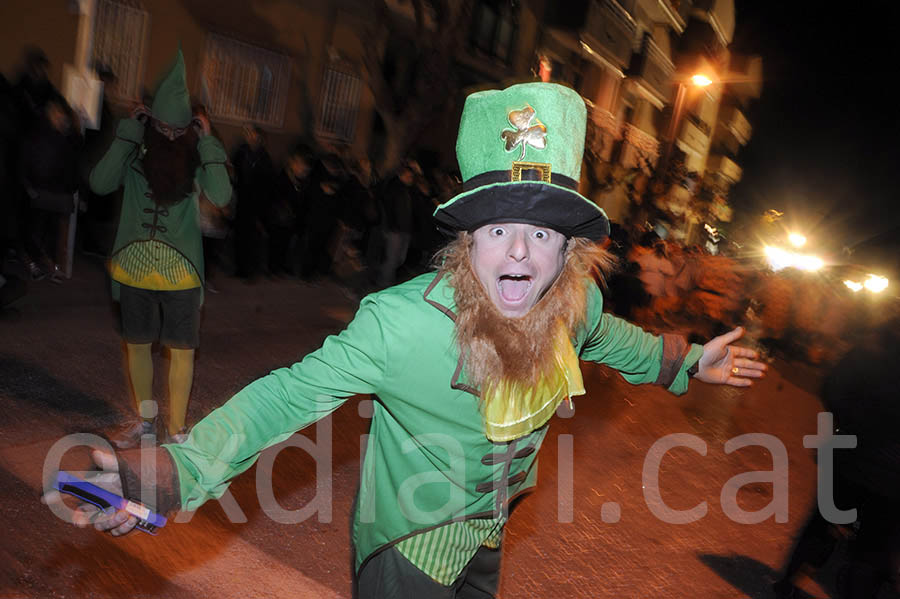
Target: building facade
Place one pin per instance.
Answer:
(634, 62)
(386, 79)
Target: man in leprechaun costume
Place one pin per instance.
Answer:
(164, 158)
(467, 364)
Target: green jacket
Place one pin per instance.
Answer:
(141, 219)
(428, 461)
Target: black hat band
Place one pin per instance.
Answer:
(526, 174)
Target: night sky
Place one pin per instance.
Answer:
(825, 131)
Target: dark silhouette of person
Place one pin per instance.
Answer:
(252, 184)
(861, 392)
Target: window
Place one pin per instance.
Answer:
(338, 104)
(119, 35)
(245, 83)
(493, 30)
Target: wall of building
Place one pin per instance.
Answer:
(48, 25)
(309, 33)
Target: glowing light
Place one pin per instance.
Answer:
(876, 284)
(808, 263)
(853, 285)
(700, 80)
(779, 258)
(797, 240)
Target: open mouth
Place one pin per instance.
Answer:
(513, 288)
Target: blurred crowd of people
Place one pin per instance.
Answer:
(319, 214)
(323, 214)
(40, 150)
(665, 286)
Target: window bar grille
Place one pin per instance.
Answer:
(246, 83)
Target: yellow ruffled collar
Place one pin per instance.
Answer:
(511, 409)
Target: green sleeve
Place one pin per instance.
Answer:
(638, 355)
(107, 175)
(270, 409)
(212, 175)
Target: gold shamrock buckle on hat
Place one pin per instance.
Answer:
(515, 172)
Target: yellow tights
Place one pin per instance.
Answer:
(181, 377)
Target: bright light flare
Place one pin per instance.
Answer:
(875, 283)
(853, 285)
(779, 259)
(797, 240)
(700, 80)
(808, 263)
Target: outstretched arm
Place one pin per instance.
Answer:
(269, 410)
(639, 356)
(667, 360)
(229, 440)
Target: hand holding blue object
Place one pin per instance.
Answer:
(147, 519)
(106, 505)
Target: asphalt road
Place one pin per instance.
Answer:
(590, 530)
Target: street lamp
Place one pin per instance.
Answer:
(797, 239)
(700, 80)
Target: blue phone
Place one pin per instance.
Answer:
(148, 520)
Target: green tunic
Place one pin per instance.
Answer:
(428, 461)
(141, 219)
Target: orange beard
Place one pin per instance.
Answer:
(518, 350)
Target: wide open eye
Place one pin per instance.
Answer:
(497, 231)
(541, 234)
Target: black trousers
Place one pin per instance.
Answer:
(389, 575)
(45, 230)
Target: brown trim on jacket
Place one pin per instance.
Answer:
(675, 350)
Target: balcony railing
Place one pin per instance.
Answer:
(675, 12)
(699, 123)
(734, 121)
(607, 122)
(653, 69)
(682, 7)
(610, 31)
(724, 166)
(693, 135)
(642, 140)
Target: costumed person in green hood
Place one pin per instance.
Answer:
(163, 156)
(467, 364)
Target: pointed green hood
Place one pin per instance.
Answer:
(172, 103)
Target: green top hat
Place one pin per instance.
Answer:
(172, 103)
(519, 152)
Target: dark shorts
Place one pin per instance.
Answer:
(388, 575)
(172, 317)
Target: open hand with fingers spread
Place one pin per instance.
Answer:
(723, 363)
